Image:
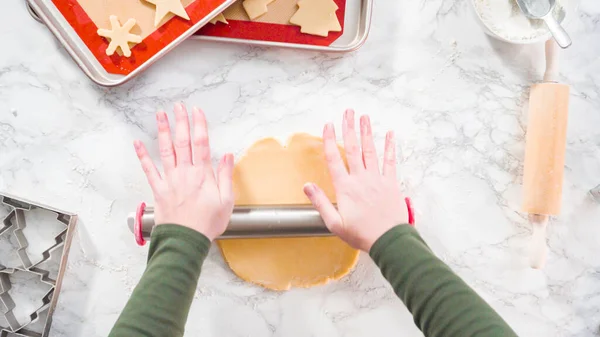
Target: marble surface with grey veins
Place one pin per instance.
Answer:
(455, 97)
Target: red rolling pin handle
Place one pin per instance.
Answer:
(137, 225)
(411, 212)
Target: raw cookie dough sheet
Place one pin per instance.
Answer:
(274, 26)
(273, 174)
(87, 16)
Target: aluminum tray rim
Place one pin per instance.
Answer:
(77, 49)
(366, 16)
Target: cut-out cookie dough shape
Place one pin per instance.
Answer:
(164, 7)
(271, 174)
(119, 36)
(219, 18)
(256, 8)
(317, 17)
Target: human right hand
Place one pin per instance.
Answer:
(369, 201)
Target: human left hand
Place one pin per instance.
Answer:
(188, 193)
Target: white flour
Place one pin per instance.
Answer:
(505, 19)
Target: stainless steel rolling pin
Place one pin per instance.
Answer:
(252, 222)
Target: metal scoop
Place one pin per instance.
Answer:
(543, 10)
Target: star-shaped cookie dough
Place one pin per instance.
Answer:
(119, 36)
(164, 7)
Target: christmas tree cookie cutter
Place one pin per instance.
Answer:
(595, 193)
(16, 221)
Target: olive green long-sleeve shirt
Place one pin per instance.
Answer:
(441, 303)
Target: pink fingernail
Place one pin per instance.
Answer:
(161, 116)
(137, 144)
(365, 124)
(351, 114)
(309, 189)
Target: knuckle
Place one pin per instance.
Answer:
(227, 200)
(318, 204)
(331, 158)
(182, 142)
(159, 196)
(368, 152)
(204, 155)
(352, 149)
(201, 140)
(335, 227)
(163, 127)
(166, 152)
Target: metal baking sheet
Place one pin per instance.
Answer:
(46, 12)
(357, 23)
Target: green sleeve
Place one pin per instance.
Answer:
(442, 304)
(161, 301)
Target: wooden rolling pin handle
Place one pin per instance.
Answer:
(551, 74)
(539, 249)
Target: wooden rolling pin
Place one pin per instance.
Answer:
(545, 153)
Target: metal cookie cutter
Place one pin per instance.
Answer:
(595, 193)
(42, 316)
(20, 328)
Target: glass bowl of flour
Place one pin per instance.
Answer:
(504, 20)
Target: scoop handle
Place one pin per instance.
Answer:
(560, 34)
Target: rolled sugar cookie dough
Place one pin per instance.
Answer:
(271, 174)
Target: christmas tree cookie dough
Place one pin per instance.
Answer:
(119, 36)
(317, 17)
(164, 7)
(219, 18)
(256, 8)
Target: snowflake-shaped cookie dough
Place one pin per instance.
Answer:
(119, 36)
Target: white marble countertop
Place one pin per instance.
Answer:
(455, 98)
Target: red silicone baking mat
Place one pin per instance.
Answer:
(272, 32)
(86, 28)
